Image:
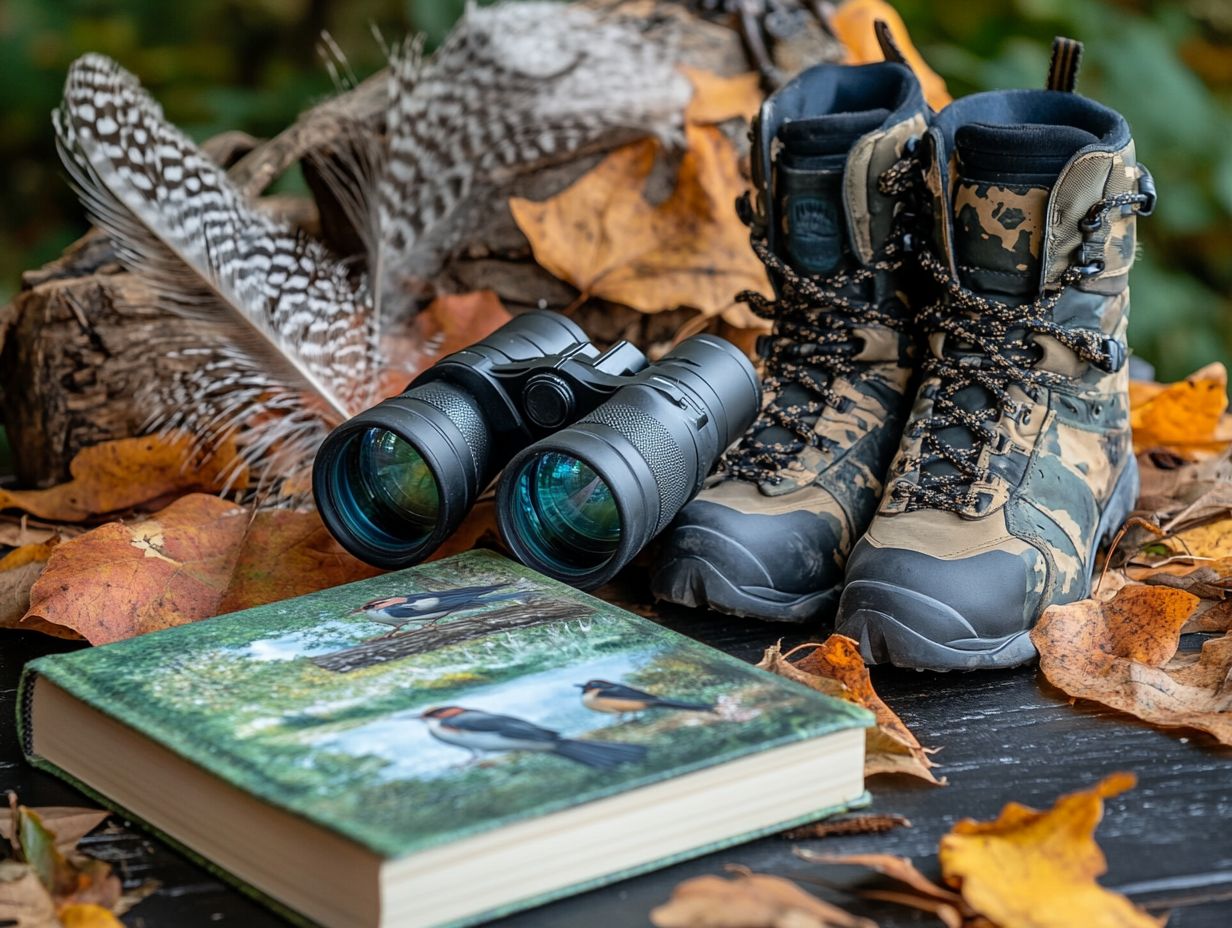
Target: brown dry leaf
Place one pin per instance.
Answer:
(749, 900)
(124, 474)
(835, 668)
(125, 579)
(447, 324)
(24, 901)
(602, 236)
(69, 823)
(286, 553)
(864, 824)
(1185, 416)
(18, 571)
(1122, 653)
(1032, 869)
(852, 23)
(717, 99)
(920, 893)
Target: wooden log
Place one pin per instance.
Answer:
(83, 336)
(395, 647)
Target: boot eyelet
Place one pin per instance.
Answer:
(1091, 269)
(1025, 417)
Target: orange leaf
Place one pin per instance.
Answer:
(1122, 653)
(603, 237)
(286, 553)
(1184, 416)
(124, 474)
(125, 579)
(717, 99)
(1031, 869)
(199, 557)
(852, 22)
(835, 668)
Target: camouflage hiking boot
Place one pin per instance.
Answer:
(1017, 460)
(769, 537)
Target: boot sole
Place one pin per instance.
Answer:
(697, 583)
(925, 641)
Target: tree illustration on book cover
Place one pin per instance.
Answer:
(416, 707)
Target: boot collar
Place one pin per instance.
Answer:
(830, 88)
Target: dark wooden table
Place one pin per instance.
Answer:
(1004, 736)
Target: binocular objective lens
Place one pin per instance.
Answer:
(395, 488)
(566, 511)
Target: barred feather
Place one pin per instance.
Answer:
(296, 336)
(513, 87)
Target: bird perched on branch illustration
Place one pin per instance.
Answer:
(298, 329)
(478, 731)
(618, 699)
(423, 610)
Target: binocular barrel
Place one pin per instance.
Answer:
(579, 504)
(394, 482)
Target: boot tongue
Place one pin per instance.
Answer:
(809, 186)
(1003, 179)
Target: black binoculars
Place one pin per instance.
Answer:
(599, 450)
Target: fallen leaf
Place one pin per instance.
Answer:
(920, 892)
(1122, 653)
(717, 99)
(24, 900)
(449, 323)
(70, 824)
(125, 579)
(286, 553)
(16, 532)
(1186, 416)
(1032, 869)
(38, 849)
(603, 237)
(88, 916)
(124, 474)
(749, 900)
(835, 668)
(865, 824)
(852, 24)
(18, 571)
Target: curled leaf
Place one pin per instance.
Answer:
(1123, 653)
(124, 474)
(749, 900)
(836, 668)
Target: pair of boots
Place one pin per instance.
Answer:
(975, 259)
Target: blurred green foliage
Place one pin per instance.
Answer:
(252, 65)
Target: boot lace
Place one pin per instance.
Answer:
(989, 344)
(813, 343)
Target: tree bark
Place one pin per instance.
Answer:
(385, 649)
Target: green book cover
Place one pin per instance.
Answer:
(406, 736)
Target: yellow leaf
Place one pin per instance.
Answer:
(123, 474)
(718, 99)
(1184, 416)
(602, 236)
(1032, 869)
(852, 22)
(88, 916)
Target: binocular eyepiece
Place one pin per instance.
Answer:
(599, 450)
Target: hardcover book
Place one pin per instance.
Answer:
(440, 745)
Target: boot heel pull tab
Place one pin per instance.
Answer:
(1063, 68)
(885, 38)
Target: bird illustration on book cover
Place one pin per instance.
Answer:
(422, 703)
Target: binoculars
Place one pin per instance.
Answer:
(599, 450)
